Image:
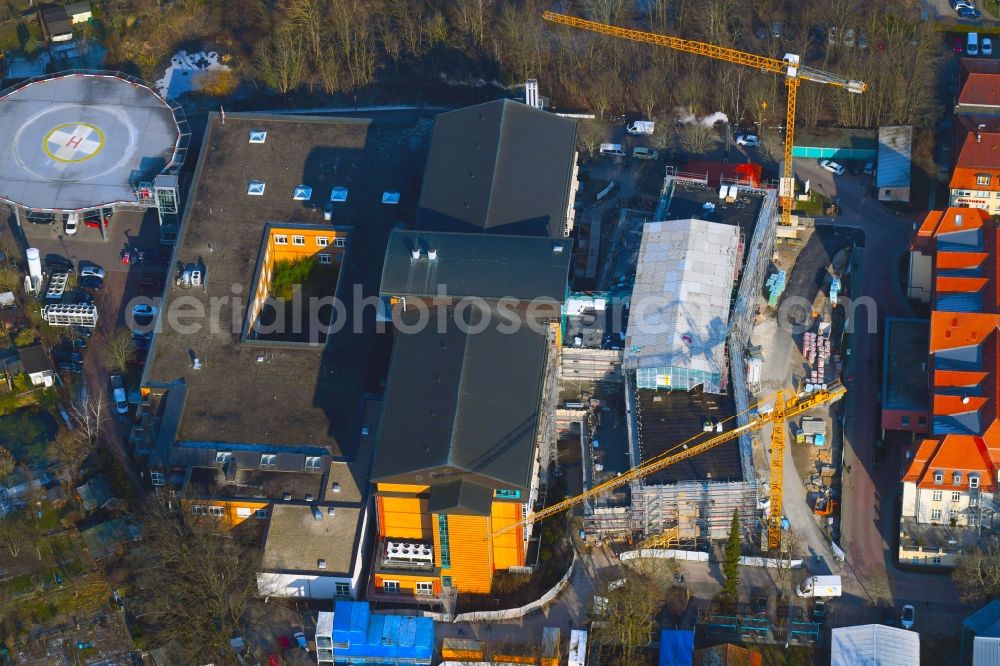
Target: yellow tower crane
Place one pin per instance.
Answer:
(789, 66)
(776, 414)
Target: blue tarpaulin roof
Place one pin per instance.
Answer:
(384, 636)
(676, 647)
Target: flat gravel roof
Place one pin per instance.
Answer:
(73, 142)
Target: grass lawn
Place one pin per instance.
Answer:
(27, 432)
(813, 207)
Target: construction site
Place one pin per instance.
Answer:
(684, 290)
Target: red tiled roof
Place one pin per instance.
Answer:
(958, 378)
(965, 454)
(981, 90)
(945, 260)
(977, 139)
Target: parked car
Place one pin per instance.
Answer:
(91, 283)
(91, 270)
(82, 297)
(849, 37)
(863, 40)
(869, 168)
(908, 617)
(986, 46)
(760, 606)
(58, 263)
(118, 394)
(72, 223)
(758, 30)
(60, 355)
(643, 153)
(74, 343)
(747, 140)
(144, 314)
(832, 167)
(958, 46)
(69, 367)
(82, 332)
(969, 13)
(819, 611)
(776, 29)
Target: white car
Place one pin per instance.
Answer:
(92, 269)
(747, 140)
(72, 223)
(908, 617)
(143, 314)
(986, 47)
(832, 167)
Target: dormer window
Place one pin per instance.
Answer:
(973, 481)
(982, 179)
(939, 478)
(956, 479)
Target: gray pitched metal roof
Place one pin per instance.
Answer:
(499, 167)
(462, 497)
(487, 266)
(461, 405)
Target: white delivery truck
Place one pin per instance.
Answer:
(820, 587)
(640, 127)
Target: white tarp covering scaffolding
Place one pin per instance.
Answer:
(680, 304)
(875, 645)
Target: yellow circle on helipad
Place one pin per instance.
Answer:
(70, 143)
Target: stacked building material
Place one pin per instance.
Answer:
(816, 351)
(776, 286)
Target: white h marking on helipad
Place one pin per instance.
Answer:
(72, 145)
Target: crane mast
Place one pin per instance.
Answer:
(789, 66)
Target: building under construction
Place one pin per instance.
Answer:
(698, 279)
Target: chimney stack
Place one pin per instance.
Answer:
(432, 254)
(415, 254)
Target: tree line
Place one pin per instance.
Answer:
(350, 47)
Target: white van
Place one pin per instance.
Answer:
(613, 149)
(972, 44)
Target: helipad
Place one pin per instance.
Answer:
(83, 141)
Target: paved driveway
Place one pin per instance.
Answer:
(868, 520)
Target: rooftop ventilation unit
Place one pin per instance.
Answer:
(309, 497)
(339, 194)
(321, 563)
(364, 431)
(335, 486)
(415, 254)
(390, 198)
(317, 514)
(258, 136)
(196, 363)
(331, 511)
(287, 497)
(557, 248)
(432, 254)
(328, 211)
(302, 193)
(256, 188)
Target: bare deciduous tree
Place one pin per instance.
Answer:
(978, 572)
(589, 134)
(14, 535)
(119, 349)
(695, 138)
(194, 584)
(280, 59)
(628, 617)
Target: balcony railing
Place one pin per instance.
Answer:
(401, 597)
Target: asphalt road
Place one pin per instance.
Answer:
(871, 490)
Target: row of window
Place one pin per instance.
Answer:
(956, 479)
(267, 460)
(981, 194)
(934, 560)
(445, 541)
(955, 496)
(422, 587)
(220, 511)
(321, 241)
(921, 420)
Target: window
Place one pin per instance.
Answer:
(158, 478)
(982, 179)
(216, 511)
(255, 188)
(445, 581)
(973, 481)
(223, 457)
(261, 514)
(905, 420)
(507, 494)
(343, 589)
(425, 587)
(324, 258)
(243, 512)
(258, 136)
(390, 586)
(302, 193)
(339, 242)
(922, 420)
(936, 560)
(322, 241)
(198, 510)
(281, 239)
(936, 514)
(268, 459)
(313, 462)
(936, 496)
(939, 478)
(956, 479)
(956, 496)
(444, 541)
(298, 240)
